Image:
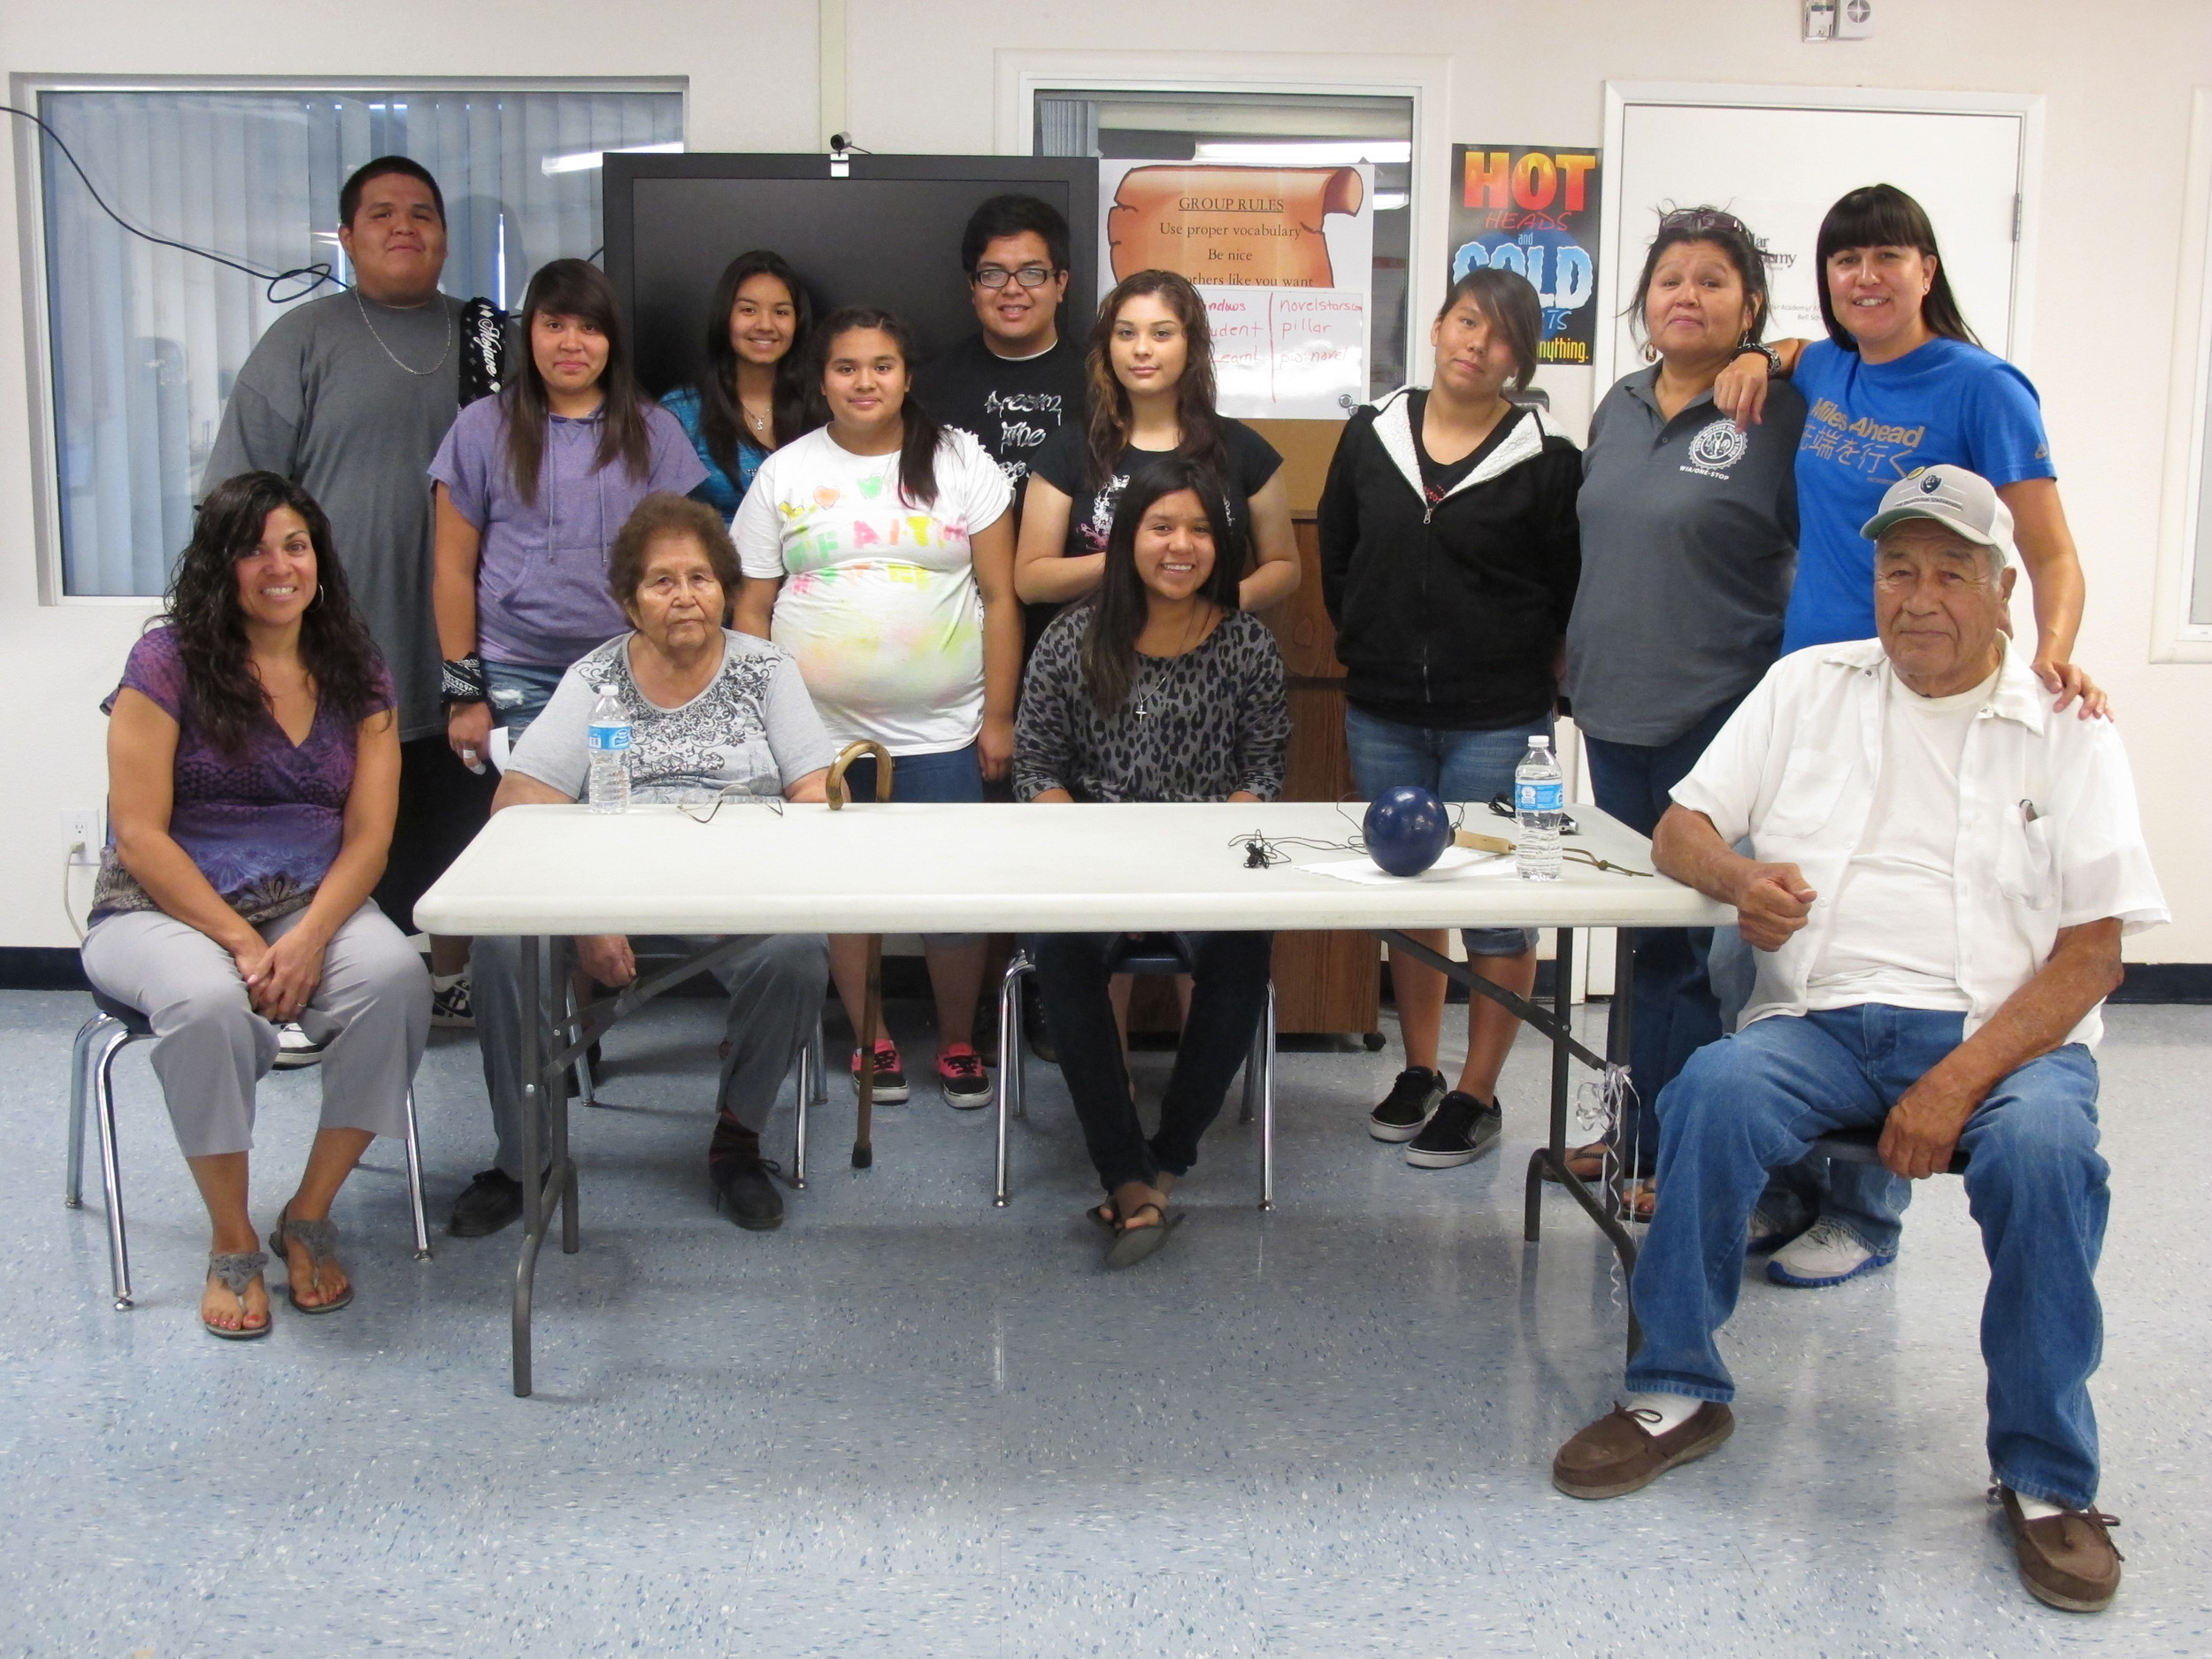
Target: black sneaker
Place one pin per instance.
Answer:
(492, 1201)
(961, 1077)
(1461, 1130)
(744, 1190)
(452, 1007)
(1407, 1106)
(890, 1074)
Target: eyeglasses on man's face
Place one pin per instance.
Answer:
(997, 276)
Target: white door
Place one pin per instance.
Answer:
(1779, 168)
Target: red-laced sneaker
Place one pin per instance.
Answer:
(961, 1077)
(890, 1075)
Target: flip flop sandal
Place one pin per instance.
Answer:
(319, 1239)
(237, 1268)
(1132, 1245)
(1585, 1163)
(1639, 1200)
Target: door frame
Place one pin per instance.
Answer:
(2028, 188)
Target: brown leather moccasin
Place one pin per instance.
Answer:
(1618, 1453)
(2066, 1560)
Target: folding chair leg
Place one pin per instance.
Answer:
(414, 1185)
(111, 1166)
(586, 1087)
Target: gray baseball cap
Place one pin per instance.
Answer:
(1954, 498)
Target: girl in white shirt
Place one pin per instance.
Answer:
(879, 550)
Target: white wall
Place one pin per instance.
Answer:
(925, 78)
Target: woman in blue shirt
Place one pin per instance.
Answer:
(1902, 383)
(752, 398)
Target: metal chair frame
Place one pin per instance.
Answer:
(91, 1077)
(1013, 1093)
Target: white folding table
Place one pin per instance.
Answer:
(547, 873)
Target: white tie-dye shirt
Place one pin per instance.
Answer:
(879, 602)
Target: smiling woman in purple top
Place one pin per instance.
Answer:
(253, 768)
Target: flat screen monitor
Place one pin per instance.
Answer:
(888, 235)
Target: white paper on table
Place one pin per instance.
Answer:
(1457, 863)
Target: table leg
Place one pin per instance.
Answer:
(1562, 1059)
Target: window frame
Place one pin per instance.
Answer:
(1425, 80)
(2185, 504)
(38, 359)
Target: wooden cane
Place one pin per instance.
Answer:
(863, 1130)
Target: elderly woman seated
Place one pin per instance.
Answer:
(253, 768)
(711, 712)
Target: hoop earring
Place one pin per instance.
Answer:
(317, 599)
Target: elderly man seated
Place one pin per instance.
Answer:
(711, 713)
(1942, 870)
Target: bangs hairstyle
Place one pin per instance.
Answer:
(1108, 651)
(1883, 216)
(921, 434)
(1509, 304)
(226, 697)
(383, 168)
(664, 514)
(574, 287)
(721, 423)
(1723, 231)
(1194, 414)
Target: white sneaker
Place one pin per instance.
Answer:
(450, 1004)
(296, 1049)
(1826, 1252)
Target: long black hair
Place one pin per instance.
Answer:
(1118, 614)
(1112, 417)
(227, 699)
(917, 447)
(575, 287)
(721, 422)
(1718, 229)
(1883, 216)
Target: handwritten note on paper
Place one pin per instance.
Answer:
(1292, 354)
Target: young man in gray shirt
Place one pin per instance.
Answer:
(349, 396)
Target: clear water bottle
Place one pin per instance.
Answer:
(610, 736)
(1538, 797)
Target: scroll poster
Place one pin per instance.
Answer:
(1284, 258)
(1534, 212)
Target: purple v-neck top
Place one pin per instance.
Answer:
(262, 825)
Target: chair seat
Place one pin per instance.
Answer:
(1857, 1146)
(134, 1021)
(1155, 953)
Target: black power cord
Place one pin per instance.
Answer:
(313, 275)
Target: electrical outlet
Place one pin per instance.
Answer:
(86, 832)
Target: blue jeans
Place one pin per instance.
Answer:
(1471, 766)
(1675, 1011)
(2034, 1182)
(519, 692)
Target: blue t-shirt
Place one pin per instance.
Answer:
(1867, 425)
(717, 492)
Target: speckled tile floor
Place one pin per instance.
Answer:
(910, 1425)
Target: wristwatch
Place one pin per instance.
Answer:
(1773, 358)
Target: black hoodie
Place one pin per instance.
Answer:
(1451, 616)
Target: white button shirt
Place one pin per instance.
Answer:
(2049, 836)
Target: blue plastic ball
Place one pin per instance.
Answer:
(1407, 829)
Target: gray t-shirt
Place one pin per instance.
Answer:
(1689, 544)
(754, 726)
(321, 403)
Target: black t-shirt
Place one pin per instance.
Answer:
(1063, 463)
(1439, 480)
(1011, 406)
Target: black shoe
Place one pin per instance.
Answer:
(1033, 1024)
(741, 1177)
(1461, 1130)
(492, 1201)
(1408, 1105)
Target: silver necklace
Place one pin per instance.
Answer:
(363, 306)
(1160, 670)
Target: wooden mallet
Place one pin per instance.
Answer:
(863, 1130)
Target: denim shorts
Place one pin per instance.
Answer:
(1469, 766)
(518, 693)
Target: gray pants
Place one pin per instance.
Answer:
(776, 985)
(372, 1008)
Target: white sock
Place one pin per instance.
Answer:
(1673, 1411)
(446, 981)
(2035, 1508)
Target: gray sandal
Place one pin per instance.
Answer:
(319, 1239)
(237, 1268)
(1134, 1244)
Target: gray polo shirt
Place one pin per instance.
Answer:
(1689, 544)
